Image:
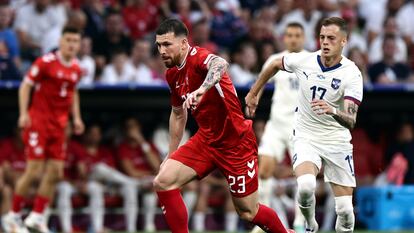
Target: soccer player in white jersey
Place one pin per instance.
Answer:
(330, 92)
(277, 135)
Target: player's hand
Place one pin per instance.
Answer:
(194, 98)
(78, 126)
(252, 101)
(320, 107)
(24, 121)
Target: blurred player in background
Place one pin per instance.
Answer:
(53, 77)
(140, 160)
(277, 135)
(329, 96)
(198, 81)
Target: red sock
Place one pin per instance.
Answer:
(18, 202)
(174, 210)
(40, 204)
(268, 220)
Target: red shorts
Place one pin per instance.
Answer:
(238, 164)
(44, 144)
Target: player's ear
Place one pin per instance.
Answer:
(184, 42)
(344, 40)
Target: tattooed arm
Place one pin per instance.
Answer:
(347, 117)
(216, 68)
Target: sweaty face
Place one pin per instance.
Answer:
(70, 44)
(294, 39)
(332, 40)
(170, 48)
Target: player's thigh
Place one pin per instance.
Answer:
(306, 158)
(274, 141)
(247, 206)
(34, 140)
(239, 165)
(34, 169)
(339, 168)
(55, 169)
(191, 160)
(56, 146)
(267, 165)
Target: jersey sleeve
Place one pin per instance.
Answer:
(203, 58)
(291, 61)
(35, 72)
(354, 88)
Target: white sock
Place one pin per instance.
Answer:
(150, 207)
(64, 205)
(265, 191)
(232, 219)
(190, 198)
(345, 220)
(199, 221)
(277, 205)
(299, 218)
(96, 205)
(306, 198)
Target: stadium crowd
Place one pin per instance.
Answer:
(118, 48)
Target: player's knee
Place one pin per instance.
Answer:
(343, 206)
(162, 182)
(6, 192)
(246, 215)
(306, 186)
(345, 211)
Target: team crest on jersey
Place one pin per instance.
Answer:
(335, 83)
(320, 76)
(74, 76)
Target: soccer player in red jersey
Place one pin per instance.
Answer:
(53, 78)
(198, 81)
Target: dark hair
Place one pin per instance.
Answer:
(71, 29)
(172, 25)
(340, 22)
(295, 25)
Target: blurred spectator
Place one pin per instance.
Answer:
(361, 61)
(402, 146)
(244, 61)
(308, 16)
(266, 49)
(254, 5)
(226, 28)
(111, 39)
(388, 71)
(33, 21)
(86, 62)
(140, 159)
(390, 28)
(140, 17)
(355, 38)
(283, 7)
(260, 30)
(377, 17)
(139, 64)
(60, 8)
(7, 35)
(118, 71)
(189, 12)
(8, 69)
(404, 20)
(50, 42)
(95, 11)
(201, 35)
(101, 167)
(158, 68)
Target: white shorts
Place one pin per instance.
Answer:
(275, 141)
(336, 159)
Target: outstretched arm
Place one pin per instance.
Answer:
(347, 117)
(217, 66)
(252, 98)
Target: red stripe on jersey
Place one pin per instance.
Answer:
(356, 101)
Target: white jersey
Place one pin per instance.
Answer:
(332, 84)
(285, 95)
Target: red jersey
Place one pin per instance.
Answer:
(54, 84)
(135, 155)
(11, 153)
(103, 155)
(219, 117)
(140, 21)
(74, 154)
